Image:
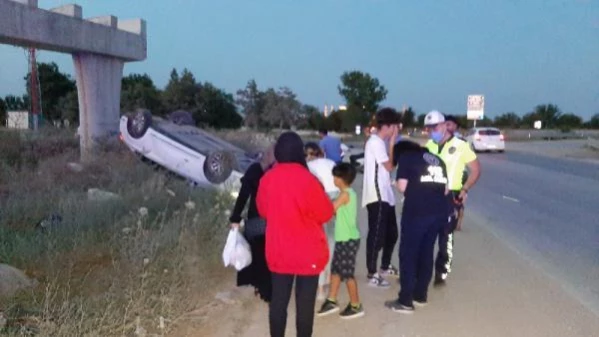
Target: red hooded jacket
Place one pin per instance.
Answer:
(295, 207)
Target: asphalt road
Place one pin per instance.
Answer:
(547, 209)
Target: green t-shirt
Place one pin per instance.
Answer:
(456, 153)
(346, 221)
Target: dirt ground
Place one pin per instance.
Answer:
(492, 291)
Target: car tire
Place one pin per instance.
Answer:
(218, 166)
(138, 123)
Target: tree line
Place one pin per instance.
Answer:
(255, 108)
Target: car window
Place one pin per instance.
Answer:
(489, 132)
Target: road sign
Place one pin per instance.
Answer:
(476, 107)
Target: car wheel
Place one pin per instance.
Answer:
(138, 123)
(218, 166)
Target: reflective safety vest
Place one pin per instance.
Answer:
(456, 153)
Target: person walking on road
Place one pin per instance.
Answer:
(379, 199)
(422, 178)
(254, 229)
(331, 146)
(295, 207)
(457, 155)
(347, 243)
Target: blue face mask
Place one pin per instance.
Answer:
(437, 136)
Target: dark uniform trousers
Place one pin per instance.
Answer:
(416, 255)
(445, 253)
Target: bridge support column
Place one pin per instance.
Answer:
(99, 91)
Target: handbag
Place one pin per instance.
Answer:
(254, 227)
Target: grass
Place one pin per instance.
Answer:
(113, 268)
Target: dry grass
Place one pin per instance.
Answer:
(131, 266)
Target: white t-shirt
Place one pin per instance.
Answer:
(322, 168)
(375, 174)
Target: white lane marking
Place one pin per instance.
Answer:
(510, 198)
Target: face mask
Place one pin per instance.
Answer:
(437, 136)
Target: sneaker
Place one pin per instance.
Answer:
(352, 312)
(377, 280)
(439, 281)
(327, 308)
(420, 303)
(396, 306)
(390, 271)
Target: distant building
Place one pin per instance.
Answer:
(18, 120)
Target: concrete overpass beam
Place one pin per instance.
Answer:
(69, 10)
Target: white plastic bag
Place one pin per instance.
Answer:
(237, 251)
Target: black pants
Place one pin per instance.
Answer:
(445, 253)
(257, 273)
(305, 298)
(382, 234)
(353, 159)
(416, 254)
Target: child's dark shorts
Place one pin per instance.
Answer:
(344, 258)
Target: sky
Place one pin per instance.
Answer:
(429, 54)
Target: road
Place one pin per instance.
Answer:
(547, 209)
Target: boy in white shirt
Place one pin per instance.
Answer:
(378, 197)
(322, 168)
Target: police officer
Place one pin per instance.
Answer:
(457, 155)
(452, 127)
(422, 177)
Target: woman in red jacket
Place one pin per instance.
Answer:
(295, 207)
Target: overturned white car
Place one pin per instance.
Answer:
(185, 150)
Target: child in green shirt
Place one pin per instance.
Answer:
(347, 243)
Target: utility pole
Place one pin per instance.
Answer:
(34, 90)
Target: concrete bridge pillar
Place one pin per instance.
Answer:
(99, 89)
(100, 46)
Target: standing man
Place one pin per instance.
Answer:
(331, 146)
(457, 155)
(422, 178)
(378, 197)
(452, 127)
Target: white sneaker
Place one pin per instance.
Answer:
(378, 281)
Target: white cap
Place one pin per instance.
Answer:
(433, 118)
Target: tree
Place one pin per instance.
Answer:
(139, 91)
(68, 106)
(2, 111)
(529, 119)
(16, 103)
(281, 108)
(408, 118)
(180, 92)
(594, 122)
(310, 118)
(251, 101)
(548, 114)
(216, 108)
(351, 117)
(569, 121)
(362, 90)
(421, 119)
(53, 86)
(508, 120)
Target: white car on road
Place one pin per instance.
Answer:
(486, 139)
(185, 150)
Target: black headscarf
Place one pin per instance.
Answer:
(290, 149)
